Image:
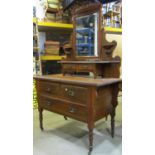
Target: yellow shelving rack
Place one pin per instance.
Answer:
(34, 20)
(52, 57)
(70, 26)
(55, 25)
(113, 30)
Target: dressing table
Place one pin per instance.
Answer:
(83, 98)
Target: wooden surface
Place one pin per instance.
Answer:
(89, 62)
(78, 80)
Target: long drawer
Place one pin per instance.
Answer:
(65, 108)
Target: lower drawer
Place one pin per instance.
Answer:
(65, 108)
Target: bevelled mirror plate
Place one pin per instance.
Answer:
(87, 35)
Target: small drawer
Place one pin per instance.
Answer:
(48, 88)
(74, 93)
(69, 66)
(85, 67)
(64, 108)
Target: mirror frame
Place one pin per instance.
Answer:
(85, 10)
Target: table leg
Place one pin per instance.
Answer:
(41, 118)
(90, 139)
(65, 118)
(113, 123)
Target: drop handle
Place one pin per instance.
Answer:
(71, 93)
(72, 110)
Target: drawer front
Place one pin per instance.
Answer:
(49, 88)
(85, 67)
(74, 93)
(64, 108)
(69, 67)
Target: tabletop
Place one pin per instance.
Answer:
(78, 80)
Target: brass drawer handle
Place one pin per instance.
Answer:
(48, 103)
(70, 92)
(72, 110)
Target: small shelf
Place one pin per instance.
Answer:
(52, 57)
(90, 62)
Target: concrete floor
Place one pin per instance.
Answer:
(61, 137)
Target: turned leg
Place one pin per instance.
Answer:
(113, 123)
(41, 118)
(90, 139)
(65, 117)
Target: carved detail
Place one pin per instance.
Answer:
(68, 48)
(107, 47)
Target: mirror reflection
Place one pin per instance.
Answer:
(86, 35)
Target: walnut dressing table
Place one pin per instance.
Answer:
(80, 98)
(83, 98)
